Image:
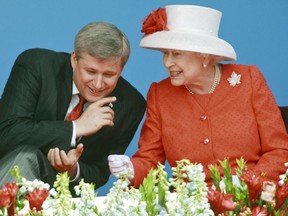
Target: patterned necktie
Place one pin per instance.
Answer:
(77, 110)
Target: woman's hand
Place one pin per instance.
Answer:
(120, 164)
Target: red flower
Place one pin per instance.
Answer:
(155, 21)
(36, 198)
(5, 199)
(257, 211)
(281, 195)
(7, 196)
(254, 182)
(220, 202)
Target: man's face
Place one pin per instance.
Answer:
(95, 78)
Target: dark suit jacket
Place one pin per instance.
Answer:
(284, 113)
(35, 101)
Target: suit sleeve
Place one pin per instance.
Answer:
(273, 136)
(115, 140)
(18, 105)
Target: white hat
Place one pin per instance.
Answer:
(186, 27)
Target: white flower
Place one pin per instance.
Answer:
(234, 79)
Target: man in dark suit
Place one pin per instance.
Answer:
(284, 113)
(44, 87)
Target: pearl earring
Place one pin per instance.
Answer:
(204, 65)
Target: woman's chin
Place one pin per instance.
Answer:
(176, 82)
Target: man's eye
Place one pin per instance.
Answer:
(91, 72)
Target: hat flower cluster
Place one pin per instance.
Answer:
(155, 21)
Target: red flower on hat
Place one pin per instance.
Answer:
(36, 198)
(155, 21)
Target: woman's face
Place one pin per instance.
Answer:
(95, 78)
(184, 67)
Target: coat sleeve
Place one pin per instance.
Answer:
(150, 150)
(273, 136)
(18, 105)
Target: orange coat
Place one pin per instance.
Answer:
(240, 121)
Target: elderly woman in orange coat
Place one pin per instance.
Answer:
(206, 110)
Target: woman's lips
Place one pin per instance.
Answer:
(174, 74)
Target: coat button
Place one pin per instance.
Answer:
(203, 117)
(206, 141)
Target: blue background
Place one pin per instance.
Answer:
(258, 30)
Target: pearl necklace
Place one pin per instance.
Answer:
(215, 82)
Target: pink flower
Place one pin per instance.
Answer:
(268, 193)
(155, 21)
(36, 198)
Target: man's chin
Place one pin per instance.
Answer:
(92, 99)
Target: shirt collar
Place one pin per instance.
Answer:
(75, 91)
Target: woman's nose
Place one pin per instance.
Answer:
(168, 60)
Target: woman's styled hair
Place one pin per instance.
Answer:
(102, 40)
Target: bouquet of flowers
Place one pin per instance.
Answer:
(185, 193)
(247, 193)
(35, 198)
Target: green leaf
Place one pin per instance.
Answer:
(16, 173)
(147, 190)
(215, 175)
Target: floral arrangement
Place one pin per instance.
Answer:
(247, 193)
(35, 198)
(155, 196)
(185, 193)
(155, 21)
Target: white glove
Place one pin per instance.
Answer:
(120, 164)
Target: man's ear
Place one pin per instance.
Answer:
(73, 60)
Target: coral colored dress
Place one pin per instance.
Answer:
(235, 121)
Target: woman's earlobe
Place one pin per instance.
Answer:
(206, 61)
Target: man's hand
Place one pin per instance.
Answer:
(63, 162)
(97, 115)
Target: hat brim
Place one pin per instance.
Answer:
(189, 42)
